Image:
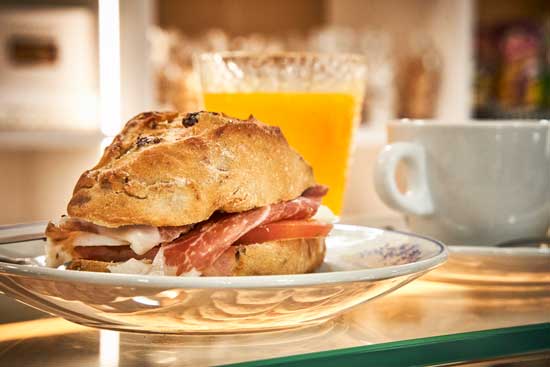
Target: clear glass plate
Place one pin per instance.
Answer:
(361, 263)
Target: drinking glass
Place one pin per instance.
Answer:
(314, 98)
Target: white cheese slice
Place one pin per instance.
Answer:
(56, 254)
(141, 238)
(192, 273)
(140, 267)
(325, 215)
(131, 266)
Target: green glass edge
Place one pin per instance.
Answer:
(470, 346)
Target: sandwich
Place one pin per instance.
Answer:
(197, 194)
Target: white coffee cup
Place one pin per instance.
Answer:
(473, 183)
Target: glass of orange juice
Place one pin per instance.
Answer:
(315, 99)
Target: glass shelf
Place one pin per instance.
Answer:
(438, 350)
(425, 323)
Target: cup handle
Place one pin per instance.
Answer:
(417, 200)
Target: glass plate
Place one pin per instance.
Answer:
(361, 263)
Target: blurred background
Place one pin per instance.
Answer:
(72, 71)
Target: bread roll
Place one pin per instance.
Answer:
(171, 169)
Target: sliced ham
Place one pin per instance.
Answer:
(316, 191)
(203, 245)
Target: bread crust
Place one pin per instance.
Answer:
(89, 265)
(296, 256)
(171, 169)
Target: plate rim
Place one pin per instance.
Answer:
(263, 281)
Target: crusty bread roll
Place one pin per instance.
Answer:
(294, 256)
(170, 169)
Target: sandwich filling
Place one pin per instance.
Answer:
(188, 249)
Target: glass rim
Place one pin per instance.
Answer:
(292, 55)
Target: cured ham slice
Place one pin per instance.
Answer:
(203, 245)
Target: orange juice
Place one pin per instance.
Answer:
(318, 125)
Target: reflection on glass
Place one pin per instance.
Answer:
(109, 343)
